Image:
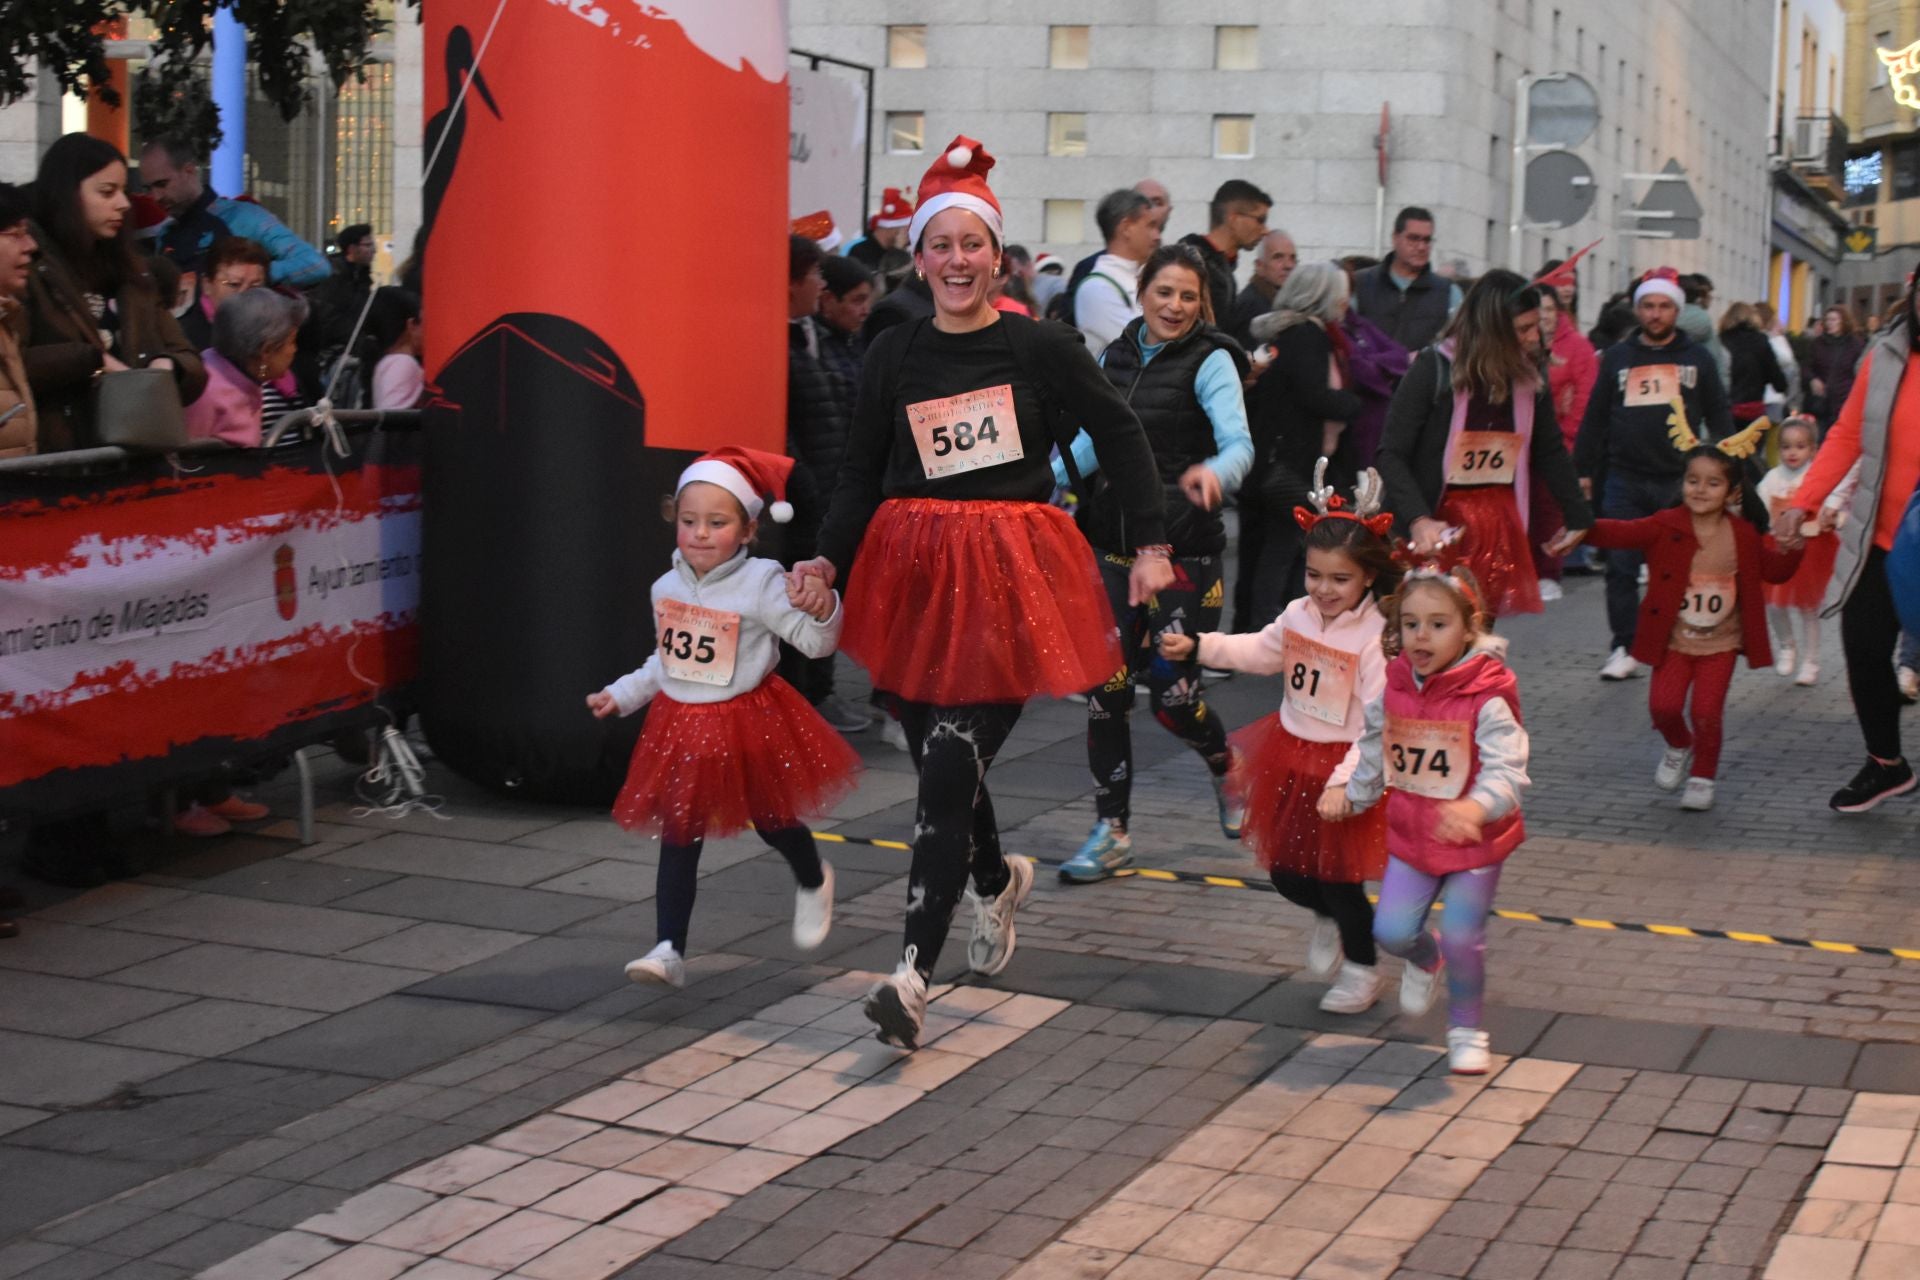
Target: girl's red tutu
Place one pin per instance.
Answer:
(1493, 543)
(953, 603)
(1807, 588)
(1280, 777)
(711, 769)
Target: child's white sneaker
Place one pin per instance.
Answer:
(1467, 1051)
(662, 965)
(1786, 657)
(1698, 796)
(1417, 987)
(1909, 681)
(1672, 770)
(1809, 674)
(813, 911)
(1323, 949)
(1355, 992)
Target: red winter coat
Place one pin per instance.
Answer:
(1668, 541)
(1455, 695)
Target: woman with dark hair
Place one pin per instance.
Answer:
(92, 304)
(1830, 369)
(391, 347)
(1471, 430)
(1752, 366)
(1182, 375)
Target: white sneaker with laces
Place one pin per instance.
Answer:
(1809, 674)
(1417, 987)
(1467, 1051)
(1672, 769)
(1355, 992)
(662, 965)
(897, 1004)
(1323, 949)
(1620, 665)
(1698, 796)
(1785, 658)
(1551, 591)
(1909, 681)
(991, 945)
(894, 734)
(813, 911)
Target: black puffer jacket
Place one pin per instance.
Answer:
(1752, 366)
(820, 403)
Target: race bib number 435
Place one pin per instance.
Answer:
(1429, 758)
(966, 432)
(698, 644)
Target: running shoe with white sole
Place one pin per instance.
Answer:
(662, 965)
(1233, 813)
(1107, 849)
(1417, 988)
(1620, 665)
(897, 1004)
(1875, 782)
(1698, 797)
(1672, 769)
(1551, 591)
(1323, 949)
(1467, 1051)
(813, 911)
(1356, 990)
(991, 945)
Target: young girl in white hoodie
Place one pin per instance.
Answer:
(728, 743)
(1326, 647)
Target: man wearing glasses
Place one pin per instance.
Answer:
(1402, 295)
(1236, 219)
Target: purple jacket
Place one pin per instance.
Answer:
(1376, 364)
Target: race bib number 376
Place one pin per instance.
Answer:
(966, 432)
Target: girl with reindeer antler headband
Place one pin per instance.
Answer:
(1326, 646)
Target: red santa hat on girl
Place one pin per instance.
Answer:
(895, 210)
(751, 475)
(957, 180)
(1662, 281)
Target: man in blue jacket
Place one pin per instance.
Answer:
(171, 170)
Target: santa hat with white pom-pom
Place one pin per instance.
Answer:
(751, 475)
(957, 180)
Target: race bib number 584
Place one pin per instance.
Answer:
(966, 432)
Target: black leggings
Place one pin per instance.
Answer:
(1869, 630)
(678, 877)
(1188, 607)
(1345, 904)
(955, 833)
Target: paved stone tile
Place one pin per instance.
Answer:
(1619, 1042)
(269, 977)
(482, 906)
(42, 1071)
(389, 1037)
(1770, 1056)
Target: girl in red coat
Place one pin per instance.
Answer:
(1704, 607)
(1446, 739)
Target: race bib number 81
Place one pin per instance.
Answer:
(966, 432)
(1319, 678)
(696, 644)
(1429, 758)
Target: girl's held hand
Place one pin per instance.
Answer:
(818, 567)
(1429, 535)
(1201, 486)
(602, 705)
(1334, 805)
(1177, 647)
(1150, 574)
(1786, 528)
(1459, 822)
(1565, 541)
(812, 596)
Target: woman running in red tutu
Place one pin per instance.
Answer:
(970, 594)
(728, 744)
(1470, 431)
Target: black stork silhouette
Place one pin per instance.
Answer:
(451, 122)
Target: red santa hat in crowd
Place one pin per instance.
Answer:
(819, 228)
(895, 210)
(751, 475)
(957, 180)
(1662, 281)
(148, 215)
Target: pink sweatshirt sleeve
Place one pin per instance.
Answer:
(1257, 652)
(1371, 687)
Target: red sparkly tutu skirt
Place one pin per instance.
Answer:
(1807, 588)
(1493, 543)
(954, 603)
(711, 769)
(1279, 777)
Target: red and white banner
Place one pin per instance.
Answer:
(221, 606)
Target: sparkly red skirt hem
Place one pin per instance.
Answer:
(1493, 543)
(1807, 588)
(1280, 778)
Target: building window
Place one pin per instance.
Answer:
(1236, 48)
(1067, 48)
(1067, 133)
(1905, 179)
(1233, 137)
(1065, 220)
(906, 133)
(907, 47)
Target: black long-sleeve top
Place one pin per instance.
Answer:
(1751, 366)
(916, 362)
(1288, 410)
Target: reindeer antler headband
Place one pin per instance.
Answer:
(1742, 444)
(1328, 505)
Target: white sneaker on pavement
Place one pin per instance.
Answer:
(991, 945)
(1785, 658)
(1467, 1051)
(897, 1004)
(1809, 674)
(1355, 992)
(1323, 950)
(1417, 987)
(1909, 681)
(1620, 665)
(662, 965)
(894, 734)
(813, 911)
(1672, 769)
(1551, 591)
(1698, 796)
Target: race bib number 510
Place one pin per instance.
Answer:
(698, 644)
(1429, 758)
(966, 432)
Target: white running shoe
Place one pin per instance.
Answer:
(813, 911)
(1551, 591)
(1323, 950)
(897, 1004)
(1783, 662)
(894, 734)
(1809, 674)
(1417, 987)
(1355, 992)
(1467, 1052)
(1909, 681)
(1698, 796)
(991, 945)
(662, 965)
(1672, 769)
(1620, 665)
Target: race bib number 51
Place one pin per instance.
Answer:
(1429, 758)
(966, 432)
(698, 644)
(1319, 678)
(1652, 384)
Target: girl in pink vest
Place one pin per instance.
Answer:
(1326, 646)
(1446, 739)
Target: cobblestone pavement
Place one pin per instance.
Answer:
(264, 1060)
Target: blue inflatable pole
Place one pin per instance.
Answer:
(228, 171)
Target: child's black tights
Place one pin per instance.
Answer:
(1345, 904)
(679, 877)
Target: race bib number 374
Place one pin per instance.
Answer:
(966, 432)
(1429, 758)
